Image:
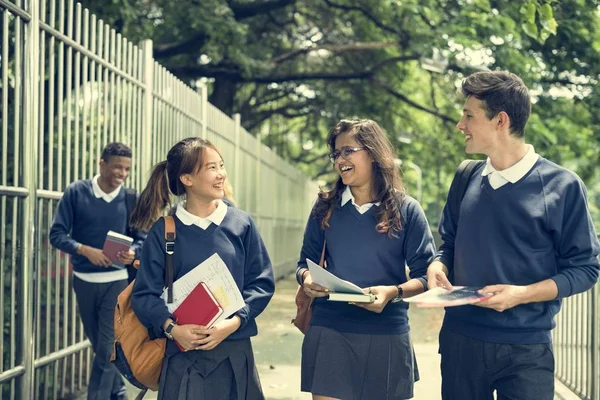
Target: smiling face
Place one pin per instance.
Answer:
(480, 132)
(207, 183)
(357, 169)
(114, 171)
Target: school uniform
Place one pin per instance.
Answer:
(85, 215)
(227, 372)
(349, 352)
(518, 226)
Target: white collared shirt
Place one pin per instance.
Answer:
(512, 174)
(188, 218)
(99, 193)
(347, 196)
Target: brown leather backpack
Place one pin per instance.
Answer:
(137, 357)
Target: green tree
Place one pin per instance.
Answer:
(294, 68)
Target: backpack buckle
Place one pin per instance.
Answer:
(170, 247)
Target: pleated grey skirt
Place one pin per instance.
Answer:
(227, 372)
(353, 366)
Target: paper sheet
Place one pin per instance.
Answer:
(326, 279)
(219, 280)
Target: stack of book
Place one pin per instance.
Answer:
(114, 244)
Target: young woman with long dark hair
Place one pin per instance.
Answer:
(218, 363)
(371, 230)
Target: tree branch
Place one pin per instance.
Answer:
(366, 13)
(308, 76)
(186, 46)
(251, 9)
(410, 102)
(335, 48)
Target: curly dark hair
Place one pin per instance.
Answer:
(387, 186)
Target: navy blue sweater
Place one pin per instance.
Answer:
(535, 229)
(357, 253)
(83, 218)
(238, 243)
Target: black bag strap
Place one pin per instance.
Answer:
(169, 251)
(459, 186)
(130, 200)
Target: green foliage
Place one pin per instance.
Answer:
(292, 69)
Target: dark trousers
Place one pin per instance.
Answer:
(473, 370)
(96, 302)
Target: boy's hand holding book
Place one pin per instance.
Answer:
(117, 248)
(126, 257)
(96, 256)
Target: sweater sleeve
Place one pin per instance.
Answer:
(138, 238)
(259, 283)
(575, 240)
(63, 222)
(150, 282)
(312, 245)
(447, 230)
(419, 248)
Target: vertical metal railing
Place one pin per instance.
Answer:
(69, 84)
(576, 342)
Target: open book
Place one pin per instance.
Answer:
(114, 244)
(441, 297)
(341, 290)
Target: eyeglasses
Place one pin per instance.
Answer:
(346, 153)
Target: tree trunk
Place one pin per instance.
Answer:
(223, 94)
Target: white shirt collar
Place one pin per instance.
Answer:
(347, 196)
(517, 171)
(188, 218)
(99, 193)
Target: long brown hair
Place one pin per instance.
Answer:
(185, 157)
(386, 183)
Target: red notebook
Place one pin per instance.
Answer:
(200, 307)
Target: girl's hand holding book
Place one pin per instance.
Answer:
(215, 335)
(312, 289)
(383, 294)
(187, 336)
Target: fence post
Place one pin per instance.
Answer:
(236, 153)
(146, 136)
(204, 108)
(30, 124)
(595, 342)
(257, 189)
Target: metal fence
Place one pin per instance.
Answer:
(68, 85)
(576, 341)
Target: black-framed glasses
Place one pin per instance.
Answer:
(346, 153)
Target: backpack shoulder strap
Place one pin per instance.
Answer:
(169, 251)
(459, 186)
(130, 200)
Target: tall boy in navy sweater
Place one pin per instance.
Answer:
(88, 209)
(525, 235)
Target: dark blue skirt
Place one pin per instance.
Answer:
(227, 372)
(353, 366)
